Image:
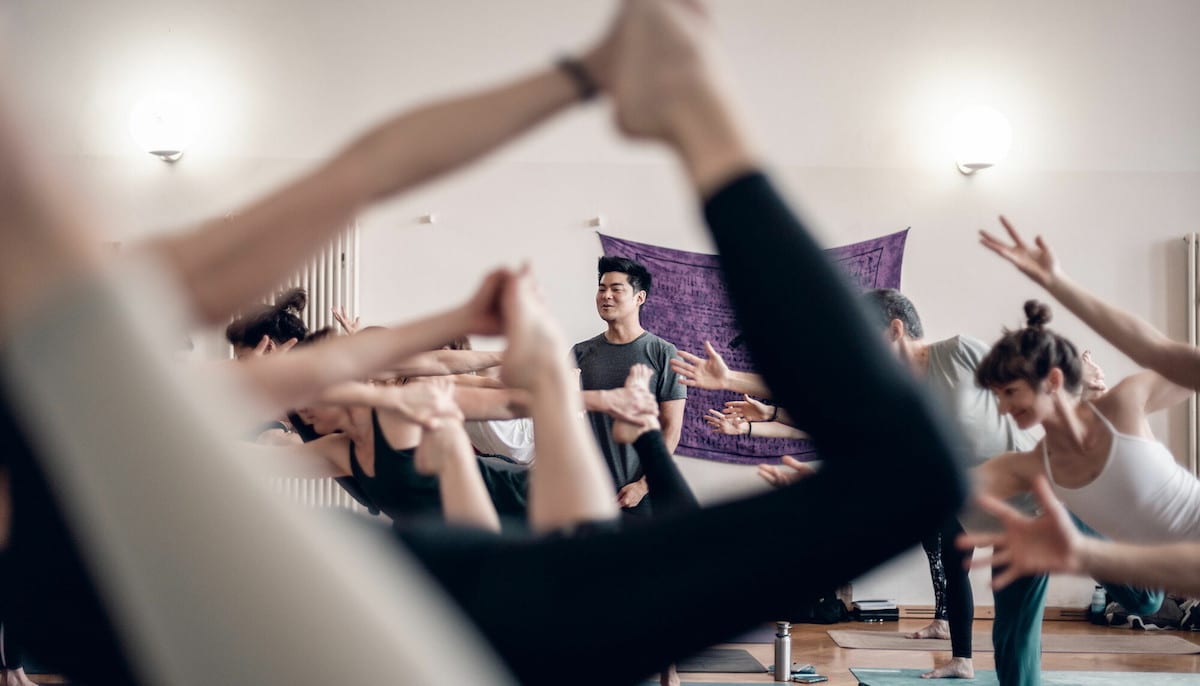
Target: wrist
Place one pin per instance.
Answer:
(1081, 555)
(581, 73)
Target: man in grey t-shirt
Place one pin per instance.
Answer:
(604, 363)
(948, 367)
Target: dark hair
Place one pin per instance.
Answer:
(1030, 353)
(886, 304)
(279, 322)
(639, 276)
(460, 343)
(317, 336)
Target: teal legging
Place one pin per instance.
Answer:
(1017, 629)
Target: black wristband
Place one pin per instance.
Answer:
(580, 77)
(749, 429)
(774, 414)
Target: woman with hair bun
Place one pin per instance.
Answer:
(1099, 458)
(271, 326)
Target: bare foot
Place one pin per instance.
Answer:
(956, 668)
(938, 628)
(17, 677)
(670, 677)
(438, 447)
(534, 340)
(637, 383)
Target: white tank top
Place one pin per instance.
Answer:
(1141, 495)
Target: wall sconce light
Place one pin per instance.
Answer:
(162, 125)
(980, 137)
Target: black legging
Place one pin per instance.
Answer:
(667, 487)
(953, 598)
(652, 594)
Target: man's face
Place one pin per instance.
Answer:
(615, 299)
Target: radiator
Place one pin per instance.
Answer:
(331, 279)
(1193, 328)
(316, 493)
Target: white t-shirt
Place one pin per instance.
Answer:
(511, 438)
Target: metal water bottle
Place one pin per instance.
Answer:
(783, 651)
(1098, 601)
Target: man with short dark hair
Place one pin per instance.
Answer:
(604, 363)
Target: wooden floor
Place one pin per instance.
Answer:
(811, 644)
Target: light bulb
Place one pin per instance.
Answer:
(162, 125)
(980, 137)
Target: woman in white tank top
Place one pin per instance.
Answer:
(1049, 542)
(1100, 457)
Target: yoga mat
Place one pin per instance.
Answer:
(731, 660)
(986, 677)
(1128, 642)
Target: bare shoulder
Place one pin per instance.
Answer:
(1009, 474)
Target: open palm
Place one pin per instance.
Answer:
(1037, 261)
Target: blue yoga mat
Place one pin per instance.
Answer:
(986, 677)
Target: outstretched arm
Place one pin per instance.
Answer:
(446, 363)
(228, 262)
(754, 410)
(1131, 334)
(713, 374)
(1050, 543)
(293, 379)
(732, 425)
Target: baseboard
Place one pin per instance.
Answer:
(1053, 614)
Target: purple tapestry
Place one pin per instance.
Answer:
(689, 305)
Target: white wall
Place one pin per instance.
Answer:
(851, 100)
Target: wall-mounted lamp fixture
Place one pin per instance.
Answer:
(162, 125)
(979, 137)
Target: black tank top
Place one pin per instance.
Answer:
(400, 492)
(397, 489)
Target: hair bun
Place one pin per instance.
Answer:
(1037, 314)
(293, 300)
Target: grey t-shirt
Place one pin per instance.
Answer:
(951, 377)
(605, 365)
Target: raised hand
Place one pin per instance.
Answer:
(729, 425)
(1036, 261)
(791, 471)
(711, 373)
(1028, 545)
(350, 326)
(1093, 377)
(750, 409)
